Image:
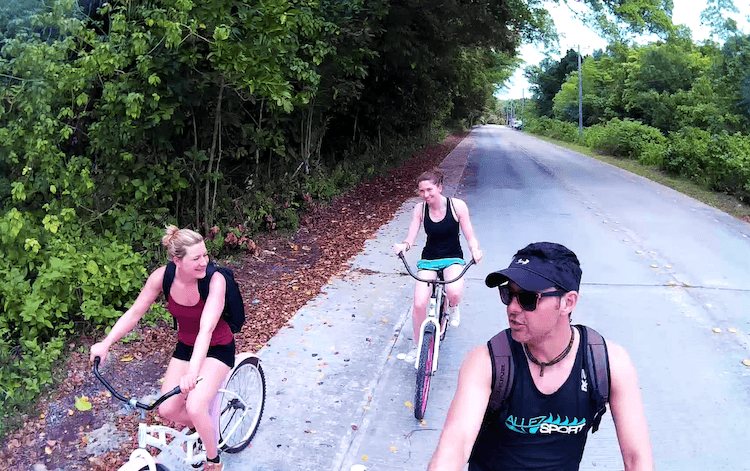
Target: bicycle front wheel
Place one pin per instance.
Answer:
(242, 405)
(424, 371)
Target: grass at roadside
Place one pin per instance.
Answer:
(727, 203)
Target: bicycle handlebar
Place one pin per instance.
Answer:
(436, 281)
(131, 401)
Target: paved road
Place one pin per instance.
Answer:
(660, 271)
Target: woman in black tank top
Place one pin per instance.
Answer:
(443, 218)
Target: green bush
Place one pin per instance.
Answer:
(630, 140)
(720, 162)
(55, 277)
(688, 151)
(552, 128)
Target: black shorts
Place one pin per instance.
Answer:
(223, 353)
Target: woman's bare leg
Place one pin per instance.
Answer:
(455, 289)
(422, 294)
(453, 293)
(199, 400)
(174, 407)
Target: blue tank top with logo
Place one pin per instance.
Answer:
(537, 431)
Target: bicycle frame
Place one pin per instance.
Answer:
(438, 293)
(436, 299)
(168, 440)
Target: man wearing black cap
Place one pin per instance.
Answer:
(548, 409)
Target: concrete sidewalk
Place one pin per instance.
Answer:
(335, 388)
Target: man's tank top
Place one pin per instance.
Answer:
(189, 323)
(537, 431)
(442, 236)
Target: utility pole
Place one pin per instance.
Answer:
(580, 94)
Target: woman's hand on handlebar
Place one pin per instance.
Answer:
(476, 254)
(188, 382)
(98, 350)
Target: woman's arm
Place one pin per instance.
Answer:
(210, 316)
(416, 222)
(127, 321)
(462, 213)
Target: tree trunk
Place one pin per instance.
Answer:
(257, 144)
(207, 220)
(216, 183)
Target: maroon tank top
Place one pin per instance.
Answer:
(189, 323)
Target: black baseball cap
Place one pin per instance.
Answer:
(540, 266)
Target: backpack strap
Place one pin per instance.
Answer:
(502, 373)
(166, 285)
(205, 282)
(597, 368)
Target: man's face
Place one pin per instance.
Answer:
(530, 325)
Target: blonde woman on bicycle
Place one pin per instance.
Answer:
(205, 344)
(442, 219)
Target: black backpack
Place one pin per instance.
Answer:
(595, 363)
(234, 307)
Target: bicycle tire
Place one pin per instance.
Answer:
(249, 383)
(443, 316)
(424, 371)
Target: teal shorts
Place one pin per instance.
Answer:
(439, 264)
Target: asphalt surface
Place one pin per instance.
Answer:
(660, 272)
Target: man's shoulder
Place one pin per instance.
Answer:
(477, 363)
(617, 356)
(478, 354)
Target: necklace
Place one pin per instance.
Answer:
(557, 359)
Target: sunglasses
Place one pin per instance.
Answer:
(526, 299)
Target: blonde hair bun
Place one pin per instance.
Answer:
(178, 240)
(169, 234)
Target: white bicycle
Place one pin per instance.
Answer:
(236, 410)
(431, 333)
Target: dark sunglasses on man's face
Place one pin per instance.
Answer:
(526, 299)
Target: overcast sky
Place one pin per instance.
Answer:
(574, 33)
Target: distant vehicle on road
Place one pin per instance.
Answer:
(518, 124)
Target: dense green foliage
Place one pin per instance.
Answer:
(16, 16)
